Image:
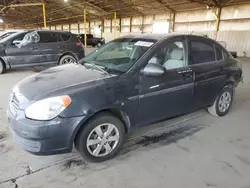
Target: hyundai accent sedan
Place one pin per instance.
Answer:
(128, 83)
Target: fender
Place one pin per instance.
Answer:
(116, 112)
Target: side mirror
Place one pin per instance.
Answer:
(153, 69)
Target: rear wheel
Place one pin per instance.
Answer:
(67, 59)
(2, 68)
(223, 102)
(101, 138)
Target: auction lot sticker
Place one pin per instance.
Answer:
(144, 43)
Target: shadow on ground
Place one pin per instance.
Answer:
(149, 141)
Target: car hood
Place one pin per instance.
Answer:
(55, 80)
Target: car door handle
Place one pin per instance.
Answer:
(185, 74)
(185, 71)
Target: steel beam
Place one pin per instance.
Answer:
(24, 5)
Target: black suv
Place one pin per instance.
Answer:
(39, 48)
(127, 83)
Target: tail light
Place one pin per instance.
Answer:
(79, 44)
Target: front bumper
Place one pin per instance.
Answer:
(44, 137)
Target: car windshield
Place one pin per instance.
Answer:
(118, 56)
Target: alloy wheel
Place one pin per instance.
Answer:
(69, 60)
(102, 140)
(224, 101)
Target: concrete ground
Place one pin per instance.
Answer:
(195, 150)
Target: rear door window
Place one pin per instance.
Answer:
(201, 52)
(47, 37)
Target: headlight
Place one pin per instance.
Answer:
(47, 109)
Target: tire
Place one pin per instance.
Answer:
(220, 108)
(97, 152)
(2, 68)
(93, 45)
(67, 59)
(99, 44)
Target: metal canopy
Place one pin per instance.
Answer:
(28, 13)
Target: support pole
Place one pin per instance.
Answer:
(218, 14)
(111, 26)
(130, 25)
(115, 25)
(102, 28)
(120, 28)
(172, 21)
(78, 28)
(44, 16)
(85, 29)
(142, 24)
(90, 28)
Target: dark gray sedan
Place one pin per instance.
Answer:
(127, 83)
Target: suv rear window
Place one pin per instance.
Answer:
(65, 37)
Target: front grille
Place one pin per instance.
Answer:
(14, 103)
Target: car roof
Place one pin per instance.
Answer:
(160, 37)
(53, 31)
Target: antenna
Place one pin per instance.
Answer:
(192, 32)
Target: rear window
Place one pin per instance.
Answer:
(65, 37)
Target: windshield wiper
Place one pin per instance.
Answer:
(97, 67)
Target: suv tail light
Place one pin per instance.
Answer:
(79, 44)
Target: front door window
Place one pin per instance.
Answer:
(171, 93)
(171, 56)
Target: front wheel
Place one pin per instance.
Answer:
(101, 138)
(223, 102)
